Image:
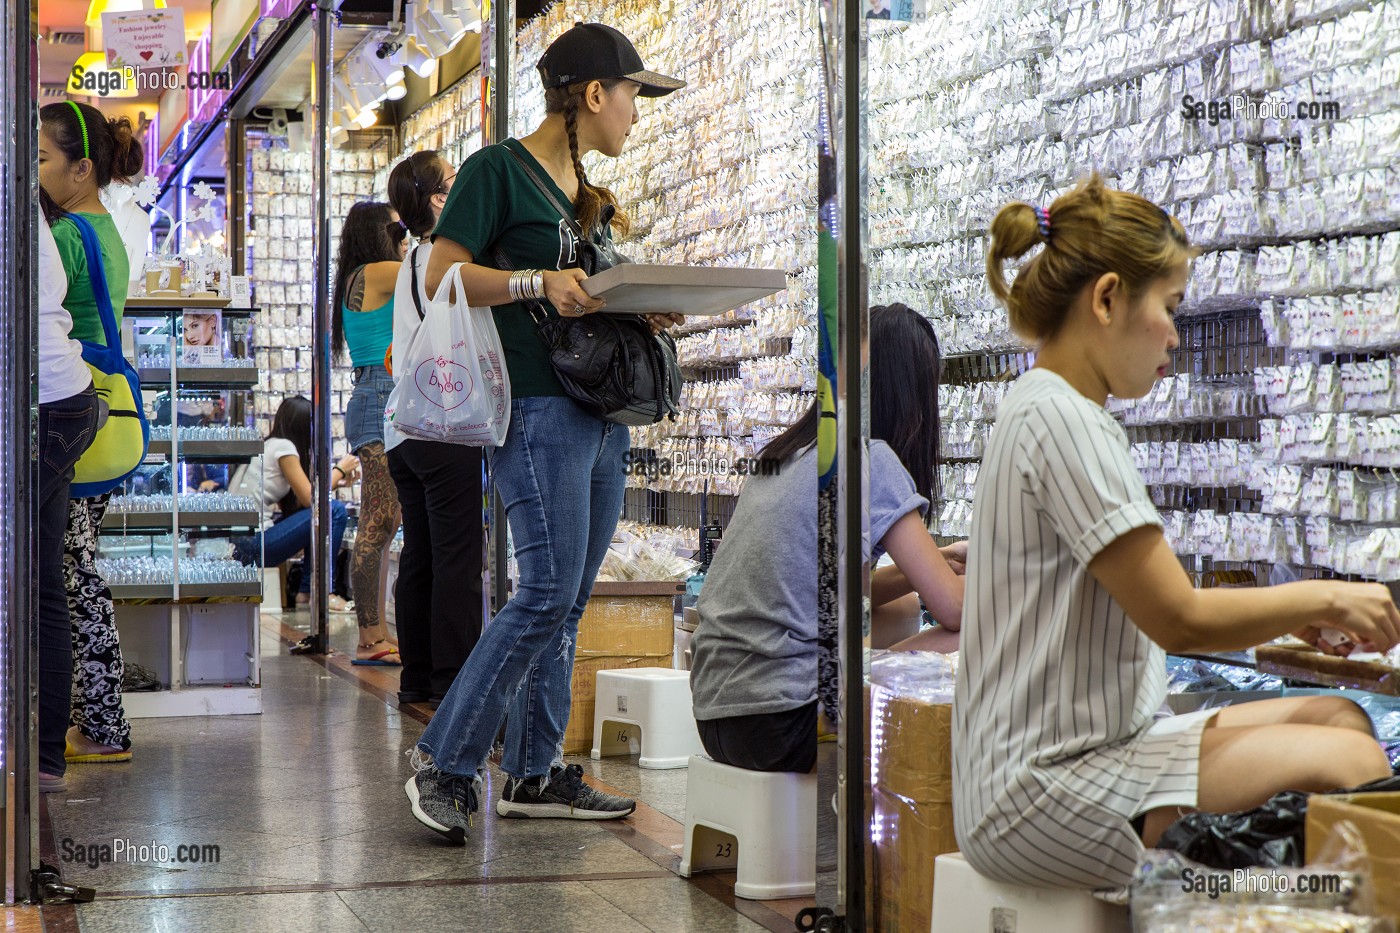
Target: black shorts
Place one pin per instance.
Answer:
(785, 741)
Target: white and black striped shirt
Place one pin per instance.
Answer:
(1057, 688)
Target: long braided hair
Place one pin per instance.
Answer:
(589, 203)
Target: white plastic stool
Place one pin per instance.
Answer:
(654, 701)
(963, 900)
(765, 822)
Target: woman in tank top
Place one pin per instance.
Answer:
(371, 249)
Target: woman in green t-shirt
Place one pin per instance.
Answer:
(80, 153)
(560, 470)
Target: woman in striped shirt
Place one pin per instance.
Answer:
(1063, 765)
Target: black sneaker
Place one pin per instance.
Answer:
(444, 802)
(563, 795)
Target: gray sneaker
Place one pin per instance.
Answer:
(444, 802)
(563, 795)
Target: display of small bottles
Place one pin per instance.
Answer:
(160, 571)
(189, 502)
(219, 433)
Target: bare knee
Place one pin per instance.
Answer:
(1243, 766)
(1355, 759)
(1338, 712)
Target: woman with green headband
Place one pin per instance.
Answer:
(80, 153)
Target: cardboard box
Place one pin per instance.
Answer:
(1377, 818)
(624, 625)
(912, 806)
(623, 619)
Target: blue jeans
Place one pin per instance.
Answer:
(66, 428)
(560, 475)
(289, 537)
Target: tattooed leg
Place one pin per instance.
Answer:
(379, 519)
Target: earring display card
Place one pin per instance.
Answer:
(282, 260)
(1272, 139)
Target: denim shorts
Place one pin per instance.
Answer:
(364, 416)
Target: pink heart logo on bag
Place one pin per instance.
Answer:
(444, 383)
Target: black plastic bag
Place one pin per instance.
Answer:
(1270, 836)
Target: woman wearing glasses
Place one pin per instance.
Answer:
(372, 245)
(437, 598)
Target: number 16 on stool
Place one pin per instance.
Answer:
(652, 701)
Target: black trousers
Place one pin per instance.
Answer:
(437, 598)
(66, 428)
(785, 741)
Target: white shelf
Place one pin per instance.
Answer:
(162, 521)
(164, 593)
(204, 645)
(206, 450)
(193, 701)
(200, 377)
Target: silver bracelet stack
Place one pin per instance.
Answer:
(527, 285)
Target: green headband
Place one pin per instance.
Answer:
(82, 124)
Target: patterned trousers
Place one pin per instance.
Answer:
(97, 651)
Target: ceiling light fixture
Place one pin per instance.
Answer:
(418, 61)
(440, 24)
(346, 98)
(389, 66)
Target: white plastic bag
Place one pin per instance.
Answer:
(451, 385)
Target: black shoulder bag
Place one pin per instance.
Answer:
(612, 365)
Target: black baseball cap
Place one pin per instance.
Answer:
(592, 52)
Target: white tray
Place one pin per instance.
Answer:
(634, 288)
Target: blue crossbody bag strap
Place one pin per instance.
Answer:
(98, 277)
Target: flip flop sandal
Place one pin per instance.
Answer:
(377, 660)
(71, 754)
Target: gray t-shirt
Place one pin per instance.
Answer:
(755, 650)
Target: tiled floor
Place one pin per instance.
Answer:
(306, 807)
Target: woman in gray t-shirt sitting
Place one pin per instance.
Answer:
(754, 655)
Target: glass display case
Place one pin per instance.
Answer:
(178, 547)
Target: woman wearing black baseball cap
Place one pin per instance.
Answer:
(559, 471)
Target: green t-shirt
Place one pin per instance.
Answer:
(80, 301)
(494, 203)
